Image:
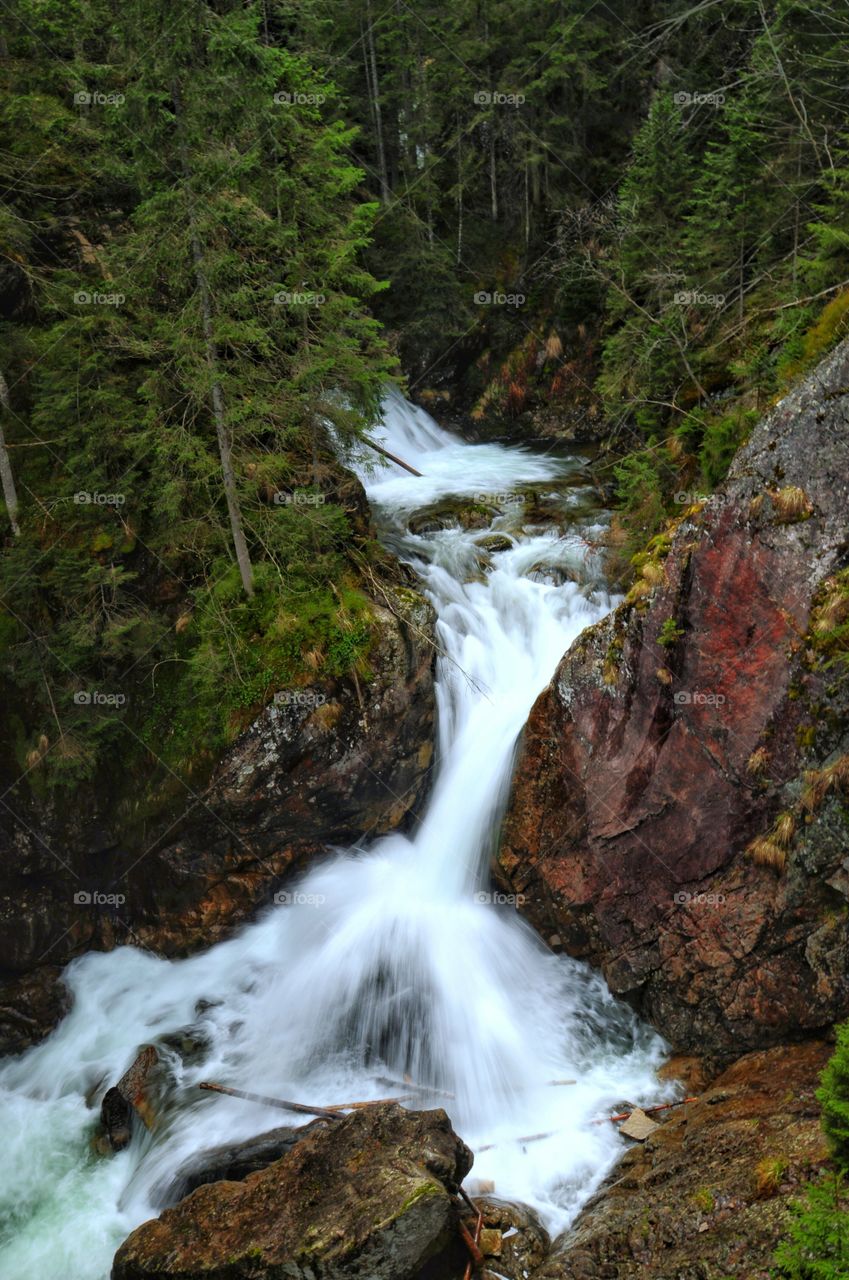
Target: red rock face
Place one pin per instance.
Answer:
(634, 798)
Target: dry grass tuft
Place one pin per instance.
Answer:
(653, 572)
(765, 853)
(821, 782)
(758, 761)
(639, 591)
(834, 610)
(553, 346)
(769, 1173)
(791, 503)
(784, 828)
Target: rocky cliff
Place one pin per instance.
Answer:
(177, 870)
(678, 812)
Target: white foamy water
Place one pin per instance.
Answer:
(393, 958)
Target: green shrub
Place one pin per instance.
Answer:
(818, 1244)
(833, 1096)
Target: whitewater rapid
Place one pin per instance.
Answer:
(396, 957)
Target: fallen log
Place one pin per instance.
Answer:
(378, 448)
(411, 1084)
(331, 1112)
(372, 1102)
(280, 1103)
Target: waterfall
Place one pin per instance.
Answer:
(396, 957)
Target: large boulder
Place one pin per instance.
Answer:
(369, 1197)
(661, 824)
(233, 1161)
(180, 864)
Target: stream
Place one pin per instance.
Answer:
(394, 957)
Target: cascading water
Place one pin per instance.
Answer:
(390, 959)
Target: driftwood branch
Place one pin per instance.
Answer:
(411, 1084)
(332, 1112)
(393, 457)
(298, 1107)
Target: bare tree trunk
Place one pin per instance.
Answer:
(385, 193)
(797, 211)
(459, 194)
(212, 358)
(527, 199)
(10, 493)
(493, 176)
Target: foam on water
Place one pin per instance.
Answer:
(394, 958)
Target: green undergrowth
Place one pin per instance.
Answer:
(237, 653)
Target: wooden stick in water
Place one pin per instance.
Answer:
(298, 1107)
(411, 1084)
(378, 448)
(376, 1102)
(331, 1112)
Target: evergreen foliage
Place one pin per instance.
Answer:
(817, 1247)
(286, 197)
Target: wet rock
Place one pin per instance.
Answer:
(516, 1242)
(551, 575)
(708, 1193)
(452, 513)
(674, 733)
(116, 1118)
(494, 542)
(133, 1097)
(234, 1161)
(368, 1197)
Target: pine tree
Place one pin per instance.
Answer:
(818, 1244)
(221, 222)
(833, 1096)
